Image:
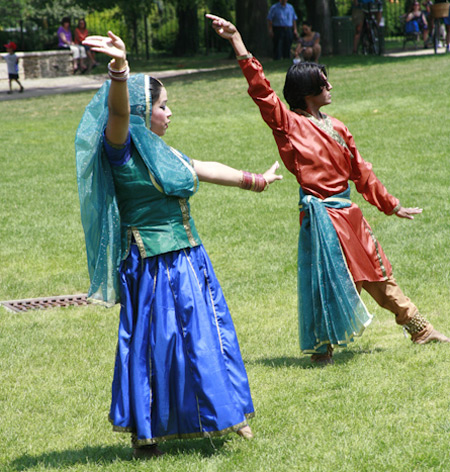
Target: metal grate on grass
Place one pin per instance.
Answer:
(18, 306)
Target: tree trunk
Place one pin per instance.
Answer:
(135, 34)
(219, 8)
(187, 42)
(147, 51)
(319, 14)
(251, 21)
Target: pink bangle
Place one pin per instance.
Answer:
(254, 182)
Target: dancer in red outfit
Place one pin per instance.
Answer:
(320, 151)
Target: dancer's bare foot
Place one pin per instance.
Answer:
(435, 335)
(147, 452)
(245, 432)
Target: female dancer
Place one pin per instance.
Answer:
(179, 371)
(338, 254)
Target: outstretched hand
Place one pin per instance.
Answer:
(408, 212)
(223, 28)
(110, 45)
(270, 175)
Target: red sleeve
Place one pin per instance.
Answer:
(366, 182)
(273, 110)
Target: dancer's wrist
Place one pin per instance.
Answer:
(118, 64)
(118, 74)
(253, 182)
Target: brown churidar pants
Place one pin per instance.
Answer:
(390, 296)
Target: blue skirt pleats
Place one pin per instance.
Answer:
(178, 371)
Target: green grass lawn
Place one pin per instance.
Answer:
(383, 406)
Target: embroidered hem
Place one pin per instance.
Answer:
(198, 434)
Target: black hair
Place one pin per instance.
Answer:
(155, 89)
(307, 23)
(66, 19)
(303, 79)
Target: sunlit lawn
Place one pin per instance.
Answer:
(383, 406)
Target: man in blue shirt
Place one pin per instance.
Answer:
(282, 23)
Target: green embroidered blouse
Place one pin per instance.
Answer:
(159, 223)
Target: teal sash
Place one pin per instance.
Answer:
(330, 308)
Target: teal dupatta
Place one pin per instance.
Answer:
(99, 210)
(330, 308)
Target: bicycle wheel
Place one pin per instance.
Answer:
(364, 39)
(437, 27)
(374, 39)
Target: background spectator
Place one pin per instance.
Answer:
(81, 33)
(282, 28)
(308, 44)
(13, 65)
(65, 42)
(416, 21)
(447, 33)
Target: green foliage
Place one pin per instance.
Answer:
(392, 13)
(164, 27)
(383, 406)
(221, 8)
(12, 12)
(344, 7)
(107, 20)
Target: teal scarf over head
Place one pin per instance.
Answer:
(99, 210)
(330, 308)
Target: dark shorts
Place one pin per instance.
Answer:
(13, 76)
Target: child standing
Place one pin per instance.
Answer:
(13, 65)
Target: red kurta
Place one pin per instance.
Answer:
(323, 168)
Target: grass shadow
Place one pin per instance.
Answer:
(201, 447)
(304, 362)
(72, 457)
(108, 454)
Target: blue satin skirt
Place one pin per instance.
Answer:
(179, 371)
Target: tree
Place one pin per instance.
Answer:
(11, 12)
(251, 21)
(220, 8)
(133, 12)
(319, 13)
(187, 41)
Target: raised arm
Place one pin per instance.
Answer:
(227, 30)
(273, 110)
(118, 101)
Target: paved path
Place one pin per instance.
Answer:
(420, 51)
(81, 83)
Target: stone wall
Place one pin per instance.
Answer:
(41, 64)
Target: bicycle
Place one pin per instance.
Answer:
(370, 33)
(438, 11)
